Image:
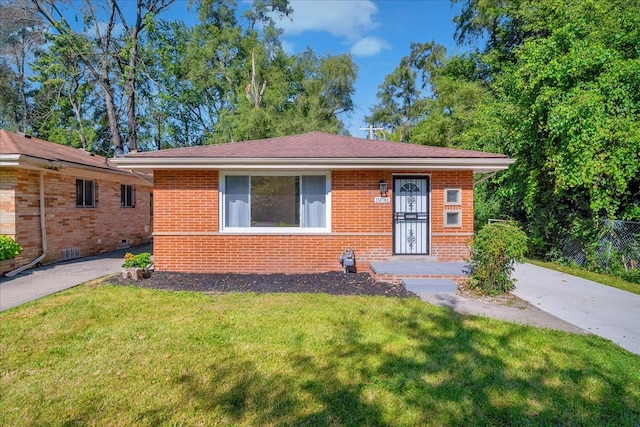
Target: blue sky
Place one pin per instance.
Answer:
(377, 34)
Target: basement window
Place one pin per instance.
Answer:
(85, 193)
(127, 196)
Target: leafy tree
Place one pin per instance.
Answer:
(111, 59)
(568, 96)
(400, 103)
(228, 79)
(556, 86)
(430, 98)
(65, 98)
(9, 98)
(21, 34)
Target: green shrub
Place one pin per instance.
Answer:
(142, 260)
(495, 249)
(632, 276)
(9, 248)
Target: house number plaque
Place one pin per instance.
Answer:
(382, 200)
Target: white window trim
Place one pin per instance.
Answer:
(457, 202)
(272, 230)
(458, 224)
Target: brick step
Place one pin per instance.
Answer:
(430, 286)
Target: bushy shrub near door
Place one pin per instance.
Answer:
(495, 250)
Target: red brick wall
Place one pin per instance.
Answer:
(451, 243)
(71, 232)
(187, 236)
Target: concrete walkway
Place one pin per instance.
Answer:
(42, 281)
(508, 309)
(602, 310)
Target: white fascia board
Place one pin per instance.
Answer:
(9, 160)
(74, 169)
(478, 165)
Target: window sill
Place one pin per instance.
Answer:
(275, 231)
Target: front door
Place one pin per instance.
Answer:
(411, 215)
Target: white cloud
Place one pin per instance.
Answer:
(369, 46)
(288, 47)
(347, 19)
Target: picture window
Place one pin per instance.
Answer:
(272, 203)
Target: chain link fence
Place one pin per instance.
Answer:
(617, 245)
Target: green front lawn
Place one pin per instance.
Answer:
(107, 355)
(605, 279)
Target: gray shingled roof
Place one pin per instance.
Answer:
(315, 145)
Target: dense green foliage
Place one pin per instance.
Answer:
(557, 87)
(9, 248)
(632, 276)
(114, 77)
(114, 355)
(494, 251)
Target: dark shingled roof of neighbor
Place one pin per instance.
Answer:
(13, 143)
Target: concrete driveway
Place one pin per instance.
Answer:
(42, 281)
(602, 310)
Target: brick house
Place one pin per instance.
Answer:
(61, 202)
(292, 204)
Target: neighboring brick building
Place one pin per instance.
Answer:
(89, 205)
(292, 204)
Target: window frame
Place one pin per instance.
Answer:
(458, 224)
(458, 200)
(274, 230)
(84, 205)
(123, 198)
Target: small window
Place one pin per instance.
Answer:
(452, 196)
(452, 219)
(127, 196)
(85, 193)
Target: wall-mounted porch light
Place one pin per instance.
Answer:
(383, 188)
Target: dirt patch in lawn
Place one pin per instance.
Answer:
(334, 283)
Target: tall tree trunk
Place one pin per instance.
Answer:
(114, 127)
(131, 82)
(23, 92)
(77, 113)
